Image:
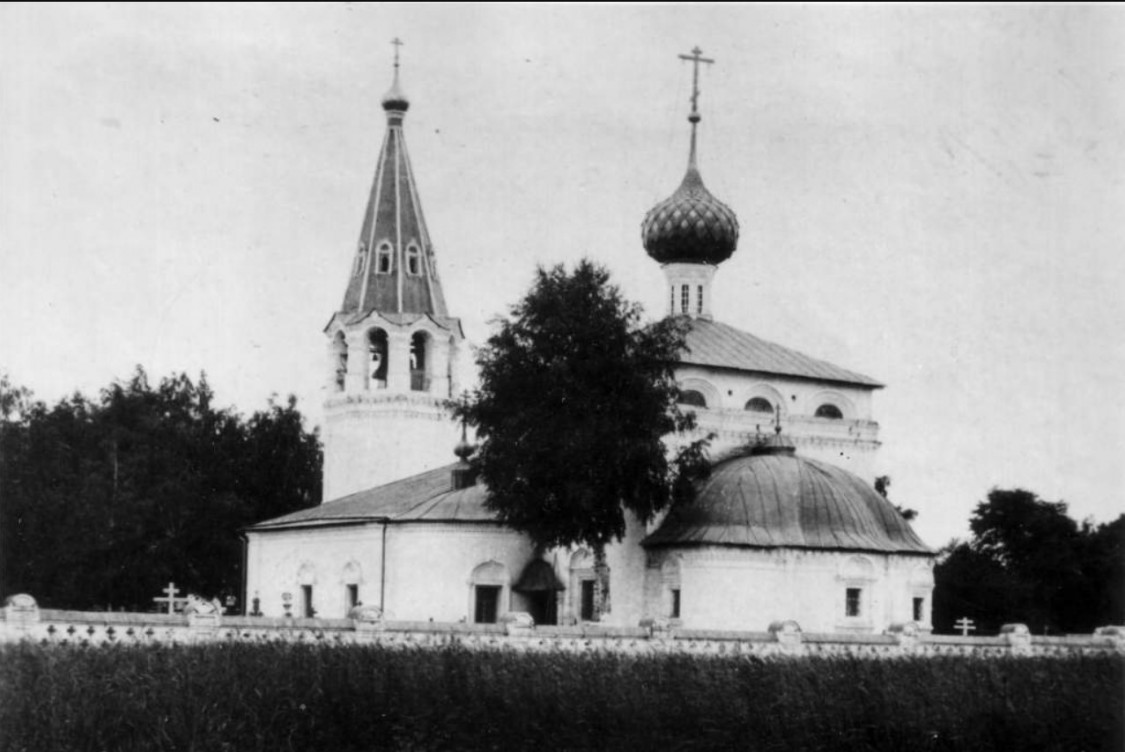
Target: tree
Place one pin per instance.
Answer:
(106, 501)
(575, 401)
(882, 483)
(1029, 562)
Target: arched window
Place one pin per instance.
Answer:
(699, 300)
(488, 581)
(360, 259)
(413, 259)
(829, 411)
(692, 398)
(670, 574)
(378, 353)
(672, 300)
(419, 352)
(759, 405)
(340, 364)
(384, 259)
(685, 296)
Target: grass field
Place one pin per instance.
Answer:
(273, 697)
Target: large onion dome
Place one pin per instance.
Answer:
(691, 225)
(772, 498)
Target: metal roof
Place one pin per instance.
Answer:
(711, 343)
(784, 500)
(426, 497)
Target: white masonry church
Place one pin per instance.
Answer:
(787, 527)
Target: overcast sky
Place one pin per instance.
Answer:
(928, 195)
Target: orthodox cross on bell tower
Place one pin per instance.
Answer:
(397, 43)
(696, 57)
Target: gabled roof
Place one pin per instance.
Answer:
(711, 343)
(426, 497)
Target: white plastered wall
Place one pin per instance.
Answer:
(849, 443)
(747, 589)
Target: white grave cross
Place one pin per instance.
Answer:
(171, 599)
(965, 624)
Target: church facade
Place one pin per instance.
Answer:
(783, 529)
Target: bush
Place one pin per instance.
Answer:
(303, 697)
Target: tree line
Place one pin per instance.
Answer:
(1028, 561)
(103, 501)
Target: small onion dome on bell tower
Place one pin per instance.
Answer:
(691, 226)
(395, 100)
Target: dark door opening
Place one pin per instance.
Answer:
(543, 606)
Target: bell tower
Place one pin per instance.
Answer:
(392, 345)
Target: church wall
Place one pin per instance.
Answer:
(327, 559)
(373, 438)
(747, 589)
(431, 566)
(849, 443)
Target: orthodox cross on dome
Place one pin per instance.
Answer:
(696, 57)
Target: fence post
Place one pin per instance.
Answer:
(788, 635)
(659, 628)
(518, 624)
(1019, 638)
(1115, 635)
(21, 615)
(906, 635)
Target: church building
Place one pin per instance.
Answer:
(787, 527)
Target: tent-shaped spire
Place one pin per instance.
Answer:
(394, 269)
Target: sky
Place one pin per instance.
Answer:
(926, 195)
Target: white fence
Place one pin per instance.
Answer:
(22, 619)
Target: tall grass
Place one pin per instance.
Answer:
(302, 697)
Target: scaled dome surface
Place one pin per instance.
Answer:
(775, 498)
(690, 226)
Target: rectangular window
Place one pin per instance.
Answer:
(351, 598)
(487, 604)
(672, 300)
(587, 611)
(852, 603)
(307, 601)
(685, 298)
(699, 299)
(675, 603)
(919, 604)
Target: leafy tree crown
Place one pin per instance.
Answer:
(575, 399)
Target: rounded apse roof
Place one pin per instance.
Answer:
(772, 498)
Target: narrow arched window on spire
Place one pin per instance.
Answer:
(413, 259)
(384, 259)
(360, 259)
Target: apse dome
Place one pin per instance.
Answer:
(769, 497)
